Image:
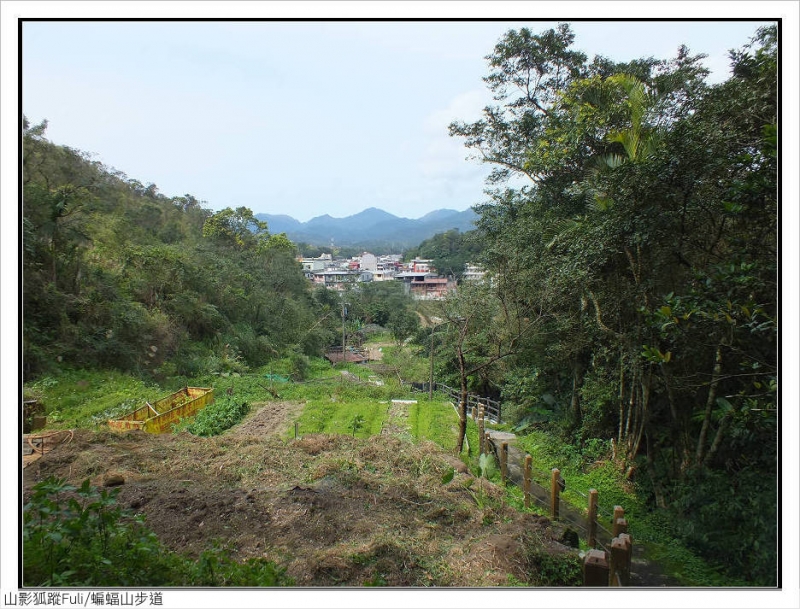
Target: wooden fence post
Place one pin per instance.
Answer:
(504, 462)
(555, 489)
(592, 518)
(595, 569)
(629, 540)
(620, 572)
(620, 525)
(526, 480)
(481, 431)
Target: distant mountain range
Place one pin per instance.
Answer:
(370, 227)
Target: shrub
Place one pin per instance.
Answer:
(79, 536)
(299, 364)
(218, 416)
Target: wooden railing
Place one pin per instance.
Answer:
(608, 562)
(492, 408)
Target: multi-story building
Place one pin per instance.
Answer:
(340, 279)
(424, 285)
(473, 272)
(421, 265)
(368, 262)
(316, 264)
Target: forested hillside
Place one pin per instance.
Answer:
(450, 251)
(635, 307)
(116, 275)
(372, 228)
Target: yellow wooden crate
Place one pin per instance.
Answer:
(159, 416)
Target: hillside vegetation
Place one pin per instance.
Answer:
(633, 300)
(116, 275)
(628, 324)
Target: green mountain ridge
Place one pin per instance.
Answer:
(370, 227)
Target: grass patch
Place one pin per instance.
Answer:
(435, 421)
(548, 452)
(408, 359)
(321, 416)
(218, 416)
(88, 398)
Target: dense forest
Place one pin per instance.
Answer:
(634, 288)
(117, 275)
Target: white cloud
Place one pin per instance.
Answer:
(466, 106)
(443, 156)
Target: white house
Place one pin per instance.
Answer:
(473, 272)
(368, 262)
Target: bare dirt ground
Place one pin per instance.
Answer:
(334, 510)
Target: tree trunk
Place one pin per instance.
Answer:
(710, 401)
(462, 406)
(53, 256)
(631, 407)
(658, 490)
(621, 425)
(673, 409)
(643, 412)
(575, 403)
(723, 424)
(679, 444)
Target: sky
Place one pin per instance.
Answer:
(319, 117)
(300, 118)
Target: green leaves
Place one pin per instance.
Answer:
(448, 475)
(646, 250)
(652, 354)
(218, 416)
(488, 465)
(117, 275)
(238, 228)
(357, 423)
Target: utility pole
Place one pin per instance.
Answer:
(430, 385)
(344, 350)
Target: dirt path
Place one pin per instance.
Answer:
(375, 350)
(269, 419)
(396, 423)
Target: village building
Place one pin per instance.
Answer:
(340, 279)
(473, 272)
(368, 262)
(426, 285)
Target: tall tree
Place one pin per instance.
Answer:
(646, 244)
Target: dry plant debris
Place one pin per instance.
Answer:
(335, 510)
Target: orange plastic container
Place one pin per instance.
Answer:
(159, 416)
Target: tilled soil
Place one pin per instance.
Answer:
(334, 510)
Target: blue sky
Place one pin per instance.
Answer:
(301, 118)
